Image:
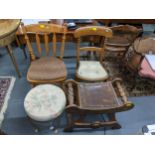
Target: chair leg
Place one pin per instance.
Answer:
(112, 117)
(24, 52)
(70, 124)
(9, 49)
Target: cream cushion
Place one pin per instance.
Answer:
(92, 71)
(44, 102)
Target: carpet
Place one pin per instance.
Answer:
(6, 86)
(134, 86)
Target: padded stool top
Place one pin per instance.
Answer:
(45, 102)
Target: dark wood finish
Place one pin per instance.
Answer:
(94, 98)
(123, 37)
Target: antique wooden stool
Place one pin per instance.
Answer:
(43, 104)
(94, 98)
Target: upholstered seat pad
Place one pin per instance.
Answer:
(91, 70)
(45, 102)
(146, 70)
(47, 68)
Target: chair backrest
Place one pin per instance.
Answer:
(127, 31)
(44, 33)
(95, 35)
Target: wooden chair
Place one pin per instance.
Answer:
(123, 37)
(91, 70)
(45, 68)
(94, 98)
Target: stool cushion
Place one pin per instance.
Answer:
(146, 70)
(92, 71)
(45, 102)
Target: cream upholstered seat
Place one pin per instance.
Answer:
(91, 70)
(45, 102)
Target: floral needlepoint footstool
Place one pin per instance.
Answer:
(44, 103)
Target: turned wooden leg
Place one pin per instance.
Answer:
(69, 127)
(9, 49)
(112, 117)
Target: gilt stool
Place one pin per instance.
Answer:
(94, 99)
(44, 104)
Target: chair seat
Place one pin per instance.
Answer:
(46, 68)
(44, 102)
(97, 96)
(146, 70)
(91, 71)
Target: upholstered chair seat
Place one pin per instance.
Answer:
(92, 71)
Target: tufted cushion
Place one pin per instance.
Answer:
(146, 70)
(91, 71)
(44, 102)
(47, 68)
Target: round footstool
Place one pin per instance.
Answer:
(44, 103)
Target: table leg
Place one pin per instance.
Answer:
(9, 49)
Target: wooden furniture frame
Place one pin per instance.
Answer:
(107, 22)
(97, 35)
(123, 37)
(95, 100)
(69, 36)
(45, 33)
(8, 30)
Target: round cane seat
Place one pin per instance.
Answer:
(45, 102)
